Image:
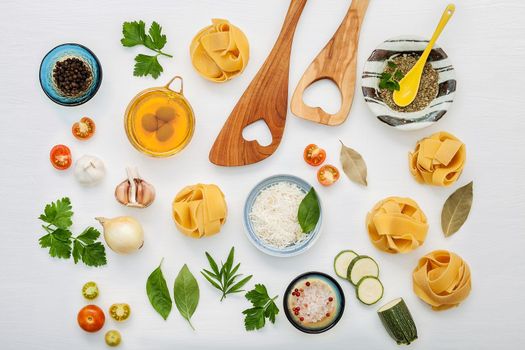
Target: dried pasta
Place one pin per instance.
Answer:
(199, 210)
(220, 51)
(397, 225)
(442, 279)
(438, 159)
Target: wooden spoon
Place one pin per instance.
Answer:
(409, 85)
(337, 62)
(265, 98)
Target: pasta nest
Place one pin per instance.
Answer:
(220, 52)
(397, 225)
(442, 279)
(438, 159)
(199, 210)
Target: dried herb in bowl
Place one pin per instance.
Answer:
(395, 70)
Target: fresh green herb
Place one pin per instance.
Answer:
(390, 81)
(135, 34)
(186, 293)
(59, 238)
(225, 278)
(158, 293)
(263, 308)
(309, 211)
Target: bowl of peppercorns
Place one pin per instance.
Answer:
(70, 74)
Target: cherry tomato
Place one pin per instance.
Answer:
(327, 175)
(119, 312)
(83, 129)
(113, 338)
(90, 290)
(314, 155)
(60, 157)
(91, 318)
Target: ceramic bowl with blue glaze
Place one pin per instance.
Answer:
(61, 53)
(314, 302)
(288, 251)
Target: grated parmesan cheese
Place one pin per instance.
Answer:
(274, 215)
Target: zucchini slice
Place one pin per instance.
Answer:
(360, 267)
(342, 261)
(398, 321)
(369, 290)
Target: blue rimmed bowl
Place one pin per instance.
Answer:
(303, 283)
(62, 52)
(375, 65)
(292, 250)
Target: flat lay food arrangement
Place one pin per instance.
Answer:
(176, 222)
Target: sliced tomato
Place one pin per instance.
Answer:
(119, 312)
(60, 157)
(91, 318)
(314, 155)
(83, 129)
(327, 175)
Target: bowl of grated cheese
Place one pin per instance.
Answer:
(270, 216)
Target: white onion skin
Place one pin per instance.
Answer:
(123, 234)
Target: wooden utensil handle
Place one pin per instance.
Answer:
(265, 98)
(336, 62)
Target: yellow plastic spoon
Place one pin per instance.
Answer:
(409, 85)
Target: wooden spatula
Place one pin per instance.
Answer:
(337, 62)
(265, 98)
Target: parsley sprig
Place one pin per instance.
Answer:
(390, 81)
(60, 241)
(263, 308)
(225, 278)
(135, 34)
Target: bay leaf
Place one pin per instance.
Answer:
(456, 209)
(158, 292)
(353, 165)
(186, 293)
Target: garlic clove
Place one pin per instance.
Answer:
(134, 191)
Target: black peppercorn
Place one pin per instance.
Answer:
(72, 76)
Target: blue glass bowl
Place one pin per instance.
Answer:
(60, 53)
(292, 250)
(339, 299)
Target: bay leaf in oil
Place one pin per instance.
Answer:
(456, 209)
(353, 165)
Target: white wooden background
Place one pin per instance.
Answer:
(40, 296)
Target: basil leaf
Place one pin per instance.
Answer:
(158, 293)
(186, 293)
(309, 211)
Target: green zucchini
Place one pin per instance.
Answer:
(398, 321)
(342, 261)
(369, 290)
(361, 266)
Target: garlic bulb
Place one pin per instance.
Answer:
(89, 170)
(123, 234)
(134, 191)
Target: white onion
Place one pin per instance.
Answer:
(123, 234)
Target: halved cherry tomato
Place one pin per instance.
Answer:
(90, 290)
(83, 129)
(91, 318)
(60, 157)
(314, 155)
(119, 312)
(327, 175)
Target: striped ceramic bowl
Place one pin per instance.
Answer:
(375, 65)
